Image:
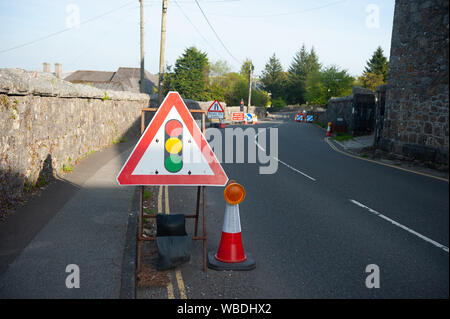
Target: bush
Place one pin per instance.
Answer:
(278, 102)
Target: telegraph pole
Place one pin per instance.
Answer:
(249, 86)
(142, 82)
(165, 3)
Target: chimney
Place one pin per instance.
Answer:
(58, 70)
(46, 67)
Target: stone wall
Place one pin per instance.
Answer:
(47, 125)
(417, 97)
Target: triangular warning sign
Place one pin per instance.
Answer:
(216, 107)
(172, 151)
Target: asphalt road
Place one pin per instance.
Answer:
(309, 236)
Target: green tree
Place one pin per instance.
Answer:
(219, 68)
(190, 76)
(245, 68)
(304, 63)
(274, 78)
(378, 64)
(327, 83)
(236, 88)
(167, 80)
(370, 80)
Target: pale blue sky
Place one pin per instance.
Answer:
(249, 28)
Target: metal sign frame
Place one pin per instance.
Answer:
(201, 194)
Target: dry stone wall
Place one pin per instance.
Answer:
(47, 124)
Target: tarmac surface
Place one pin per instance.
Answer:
(313, 227)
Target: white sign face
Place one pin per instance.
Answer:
(215, 107)
(215, 115)
(152, 162)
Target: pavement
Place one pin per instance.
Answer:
(80, 219)
(358, 142)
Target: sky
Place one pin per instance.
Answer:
(104, 34)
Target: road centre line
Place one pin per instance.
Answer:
(280, 161)
(444, 248)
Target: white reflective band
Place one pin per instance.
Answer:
(231, 222)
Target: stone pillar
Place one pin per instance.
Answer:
(58, 70)
(46, 67)
(416, 121)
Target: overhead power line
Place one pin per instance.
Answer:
(66, 29)
(217, 36)
(196, 29)
(284, 13)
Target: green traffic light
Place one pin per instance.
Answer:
(173, 163)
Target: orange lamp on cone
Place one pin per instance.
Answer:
(231, 255)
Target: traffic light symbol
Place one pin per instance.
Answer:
(173, 146)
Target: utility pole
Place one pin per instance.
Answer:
(165, 3)
(142, 82)
(249, 86)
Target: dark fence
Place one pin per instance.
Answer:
(354, 114)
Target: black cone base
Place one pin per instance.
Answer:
(247, 264)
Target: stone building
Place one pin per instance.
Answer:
(416, 121)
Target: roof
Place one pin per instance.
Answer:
(89, 76)
(124, 79)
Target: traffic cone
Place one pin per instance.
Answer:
(231, 255)
(329, 129)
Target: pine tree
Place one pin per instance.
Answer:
(303, 64)
(273, 77)
(190, 76)
(378, 64)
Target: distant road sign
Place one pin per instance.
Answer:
(216, 111)
(238, 116)
(172, 151)
(216, 107)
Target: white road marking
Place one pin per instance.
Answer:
(280, 161)
(445, 248)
